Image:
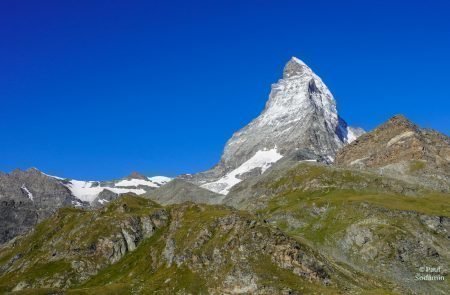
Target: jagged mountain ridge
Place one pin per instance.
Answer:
(29, 196)
(300, 114)
(88, 191)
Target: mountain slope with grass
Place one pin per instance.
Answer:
(135, 246)
(373, 224)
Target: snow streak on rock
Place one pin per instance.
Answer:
(30, 195)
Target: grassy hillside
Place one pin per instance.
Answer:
(136, 246)
(366, 222)
(308, 230)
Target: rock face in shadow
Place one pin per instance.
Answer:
(16, 218)
(401, 148)
(27, 197)
(178, 191)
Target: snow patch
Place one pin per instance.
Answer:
(102, 201)
(262, 159)
(155, 181)
(88, 190)
(136, 182)
(161, 180)
(30, 195)
(77, 204)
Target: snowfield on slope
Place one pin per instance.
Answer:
(161, 180)
(88, 190)
(262, 159)
(136, 182)
(155, 181)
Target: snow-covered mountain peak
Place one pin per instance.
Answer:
(297, 60)
(299, 93)
(300, 115)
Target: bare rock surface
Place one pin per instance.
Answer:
(26, 198)
(402, 149)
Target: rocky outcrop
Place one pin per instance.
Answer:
(132, 232)
(401, 148)
(73, 249)
(376, 244)
(244, 238)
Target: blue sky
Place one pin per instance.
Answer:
(97, 89)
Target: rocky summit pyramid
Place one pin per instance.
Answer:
(300, 115)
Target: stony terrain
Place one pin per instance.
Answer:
(401, 148)
(136, 246)
(380, 226)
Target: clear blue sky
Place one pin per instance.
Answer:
(97, 89)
